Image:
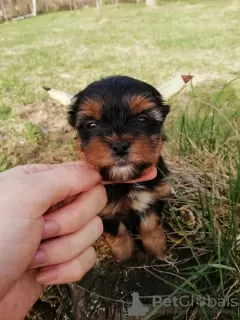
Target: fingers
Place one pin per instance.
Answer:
(70, 271)
(54, 185)
(36, 168)
(75, 215)
(65, 248)
(148, 175)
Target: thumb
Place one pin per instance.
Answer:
(49, 187)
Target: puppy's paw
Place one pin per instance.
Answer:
(122, 245)
(153, 236)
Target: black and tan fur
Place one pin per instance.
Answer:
(119, 121)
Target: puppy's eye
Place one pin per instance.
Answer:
(142, 119)
(91, 125)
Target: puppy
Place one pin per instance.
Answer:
(119, 121)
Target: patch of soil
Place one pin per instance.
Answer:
(49, 116)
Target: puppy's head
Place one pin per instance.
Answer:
(119, 121)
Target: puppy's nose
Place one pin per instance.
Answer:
(120, 148)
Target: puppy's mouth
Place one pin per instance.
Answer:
(123, 171)
(121, 161)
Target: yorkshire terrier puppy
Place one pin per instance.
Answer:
(119, 121)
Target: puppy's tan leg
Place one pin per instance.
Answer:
(122, 244)
(153, 235)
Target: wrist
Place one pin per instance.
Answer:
(16, 304)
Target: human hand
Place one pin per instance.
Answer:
(28, 194)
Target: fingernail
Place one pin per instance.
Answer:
(39, 259)
(50, 229)
(47, 276)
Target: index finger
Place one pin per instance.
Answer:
(50, 187)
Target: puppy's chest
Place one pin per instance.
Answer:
(133, 199)
(141, 199)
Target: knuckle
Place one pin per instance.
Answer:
(85, 171)
(26, 169)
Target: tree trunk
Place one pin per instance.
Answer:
(107, 291)
(34, 8)
(98, 6)
(151, 3)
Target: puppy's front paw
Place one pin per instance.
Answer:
(153, 236)
(122, 245)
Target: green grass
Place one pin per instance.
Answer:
(132, 40)
(33, 133)
(68, 50)
(3, 162)
(5, 113)
(213, 125)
